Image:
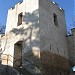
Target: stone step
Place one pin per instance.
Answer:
(8, 70)
(23, 71)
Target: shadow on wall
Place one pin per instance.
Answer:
(44, 64)
(29, 42)
(49, 63)
(28, 18)
(31, 17)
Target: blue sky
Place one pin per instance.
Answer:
(4, 6)
(67, 5)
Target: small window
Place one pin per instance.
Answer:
(55, 19)
(50, 46)
(64, 53)
(58, 50)
(20, 19)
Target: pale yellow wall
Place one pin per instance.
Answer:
(37, 31)
(27, 6)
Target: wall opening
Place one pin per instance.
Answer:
(50, 46)
(17, 54)
(73, 68)
(58, 50)
(55, 19)
(20, 19)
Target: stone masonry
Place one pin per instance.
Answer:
(36, 32)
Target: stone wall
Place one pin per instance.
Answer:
(43, 42)
(71, 47)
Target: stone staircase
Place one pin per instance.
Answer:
(8, 70)
(23, 71)
(30, 69)
(27, 70)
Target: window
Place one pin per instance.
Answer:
(58, 50)
(20, 19)
(55, 19)
(50, 46)
(64, 53)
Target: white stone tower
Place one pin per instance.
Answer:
(36, 31)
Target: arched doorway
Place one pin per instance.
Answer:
(18, 54)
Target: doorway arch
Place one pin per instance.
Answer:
(17, 54)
